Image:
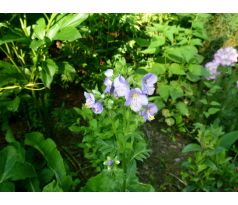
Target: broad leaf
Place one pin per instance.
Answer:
(67, 34)
(48, 149)
(228, 139)
(49, 69)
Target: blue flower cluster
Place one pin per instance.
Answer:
(136, 98)
(225, 57)
(96, 107)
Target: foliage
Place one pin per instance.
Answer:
(210, 168)
(19, 170)
(47, 60)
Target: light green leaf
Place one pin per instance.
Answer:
(182, 54)
(39, 29)
(175, 90)
(67, 34)
(228, 139)
(211, 111)
(65, 20)
(182, 108)
(158, 68)
(163, 90)
(170, 121)
(52, 187)
(191, 148)
(176, 69)
(157, 41)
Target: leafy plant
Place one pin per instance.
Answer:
(209, 168)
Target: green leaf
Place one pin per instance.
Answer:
(211, 111)
(163, 90)
(67, 34)
(39, 29)
(182, 108)
(68, 73)
(191, 148)
(7, 187)
(182, 54)
(105, 182)
(52, 187)
(170, 121)
(175, 90)
(8, 38)
(228, 139)
(12, 167)
(49, 69)
(149, 51)
(65, 20)
(14, 104)
(7, 161)
(48, 149)
(35, 44)
(176, 69)
(196, 69)
(157, 41)
(158, 68)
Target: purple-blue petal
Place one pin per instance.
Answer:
(150, 79)
(108, 73)
(97, 107)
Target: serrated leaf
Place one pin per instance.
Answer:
(157, 41)
(182, 54)
(182, 108)
(158, 68)
(176, 69)
(163, 90)
(175, 90)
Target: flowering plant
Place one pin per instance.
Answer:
(112, 140)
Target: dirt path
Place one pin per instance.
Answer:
(162, 168)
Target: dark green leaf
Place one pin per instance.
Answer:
(48, 149)
(49, 69)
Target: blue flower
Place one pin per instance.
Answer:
(97, 108)
(149, 112)
(90, 100)
(109, 85)
(148, 82)
(121, 86)
(136, 99)
(108, 73)
(226, 56)
(212, 68)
